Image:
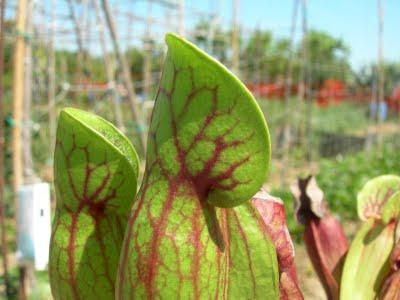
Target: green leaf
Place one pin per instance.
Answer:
(251, 256)
(375, 194)
(95, 169)
(208, 147)
(391, 209)
(367, 262)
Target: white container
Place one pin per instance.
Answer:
(34, 225)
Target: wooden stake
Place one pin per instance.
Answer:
(4, 240)
(235, 37)
(18, 94)
(304, 81)
(51, 66)
(181, 7)
(109, 70)
(79, 40)
(381, 72)
(18, 100)
(126, 74)
(29, 175)
(147, 54)
(307, 85)
(288, 86)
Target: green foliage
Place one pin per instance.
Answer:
(41, 289)
(328, 56)
(255, 53)
(345, 118)
(342, 178)
(214, 39)
(367, 75)
(136, 58)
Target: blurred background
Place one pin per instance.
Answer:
(326, 75)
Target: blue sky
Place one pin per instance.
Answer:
(355, 21)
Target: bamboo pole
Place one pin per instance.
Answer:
(288, 85)
(79, 39)
(26, 128)
(18, 100)
(147, 54)
(4, 239)
(27, 275)
(307, 85)
(181, 17)
(18, 93)
(235, 37)
(109, 69)
(372, 101)
(381, 72)
(51, 91)
(300, 99)
(126, 75)
(304, 80)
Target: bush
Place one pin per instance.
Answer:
(342, 178)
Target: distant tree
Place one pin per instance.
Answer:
(278, 60)
(135, 58)
(392, 76)
(213, 39)
(367, 74)
(254, 56)
(328, 55)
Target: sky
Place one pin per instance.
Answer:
(354, 21)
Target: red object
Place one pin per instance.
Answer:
(272, 212)
(323, 235)
(394, 99)
(267, 90)
(332, 91)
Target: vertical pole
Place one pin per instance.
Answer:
(79, 41)
(288, 86)
(147, 54)
(372, 101)
(212, 26)
(181, 12)
(235, 37)
(303, 91)
(27, 275)
(18, 100)
(125, 74)
(18, 93)
(4, 248)
(51, 105)
(307, 85)
(109, 69)
(381, 71)
(26, 128)
(256, 77)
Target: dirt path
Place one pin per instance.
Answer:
(309, 283)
